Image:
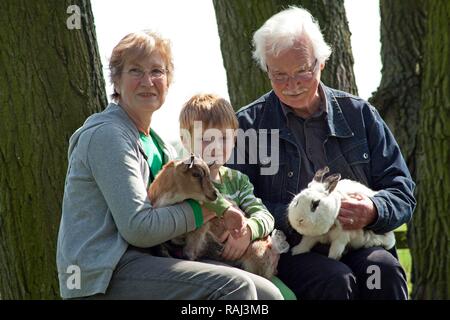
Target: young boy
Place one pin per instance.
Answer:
(208, 127)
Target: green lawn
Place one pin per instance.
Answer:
(403, 227)
(405, 259)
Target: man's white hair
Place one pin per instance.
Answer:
(281, 32)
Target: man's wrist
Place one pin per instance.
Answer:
(373, 214)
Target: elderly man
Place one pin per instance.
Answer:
(320, 126)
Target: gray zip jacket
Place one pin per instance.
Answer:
(105, 204)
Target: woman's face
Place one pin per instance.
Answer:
(143, 84)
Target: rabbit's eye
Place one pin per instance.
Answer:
(314, 205)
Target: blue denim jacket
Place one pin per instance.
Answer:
(359, 146)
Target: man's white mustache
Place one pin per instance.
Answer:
(294, 93)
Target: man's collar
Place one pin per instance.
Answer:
(336, 121)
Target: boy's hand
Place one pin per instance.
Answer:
(235, 222)
(235, 248)
(207, 214)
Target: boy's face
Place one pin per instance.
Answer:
(214, 145)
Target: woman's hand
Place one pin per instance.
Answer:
(235, 248)
(357, 212)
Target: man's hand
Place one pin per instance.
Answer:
(357, 212)
(235, 248)
(235, 222)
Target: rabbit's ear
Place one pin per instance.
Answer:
(332, 181)
(320, 173)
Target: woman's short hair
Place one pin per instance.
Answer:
(281, 32)
(212, 110)
(138, 46)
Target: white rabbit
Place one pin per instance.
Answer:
(313, 213)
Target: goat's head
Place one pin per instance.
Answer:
(193, 176)
(314, 210)
(181, 180)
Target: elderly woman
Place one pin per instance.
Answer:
(108, 223)
(320, 126)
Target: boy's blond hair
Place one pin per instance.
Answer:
(212, 110)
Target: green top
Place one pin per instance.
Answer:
(153, 147)
(153, 152)
(236, 187)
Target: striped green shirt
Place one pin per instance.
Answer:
(236, 187)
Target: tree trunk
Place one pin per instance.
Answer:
(237, 21)
(398, 96)
(430, 230)
(51, 81)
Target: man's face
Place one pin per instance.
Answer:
(295, 75)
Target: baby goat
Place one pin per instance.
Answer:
(181, 180)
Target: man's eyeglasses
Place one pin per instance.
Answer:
(155, 73)
(301, 75)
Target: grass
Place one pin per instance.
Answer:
(403, 227)
(405, 259)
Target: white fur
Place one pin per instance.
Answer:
(323, 226)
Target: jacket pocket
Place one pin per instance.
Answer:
(351, 159)
(357, 153)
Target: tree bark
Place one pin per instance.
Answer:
(238, 20)
(430, 229)
(51, 81)
(398, 96)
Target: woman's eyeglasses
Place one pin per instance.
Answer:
(155, 73)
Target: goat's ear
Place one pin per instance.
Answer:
(182, 165)
(332, 181)
(320, 173)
